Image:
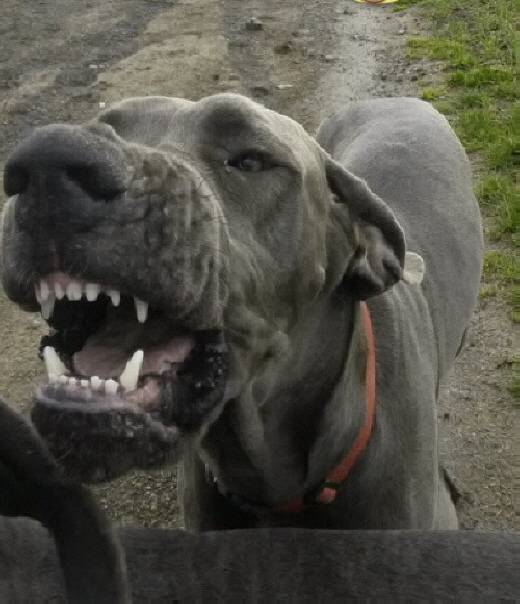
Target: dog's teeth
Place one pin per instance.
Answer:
(111, 386)
(92, 291)
(72, 381)
(130, 375)
(53, 362)
(44, 291)
(85, 383)
(59, 291)
(141, 308)
(53, 378)
(38, 294)
(114, 296)
(63, 379)
(47, 307)
(95, 382)
(74, 291)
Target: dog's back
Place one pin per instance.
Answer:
(410, 156)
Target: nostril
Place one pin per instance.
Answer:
(90, 179)
(16, 180)
(61, 164)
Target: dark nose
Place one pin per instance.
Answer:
(64, 177)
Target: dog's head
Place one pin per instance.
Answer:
(172, 246)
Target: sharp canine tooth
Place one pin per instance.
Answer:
(95, 382)
(141, 308)
(59, 291)
(92, 291)
(38, 294)
(44, 291)
(53, 362)
(115, 296)
(111, 386)
(74, 291)
(130, 375)
(47, 306)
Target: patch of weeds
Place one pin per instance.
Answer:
(438, 49)
(487, 291)
(499, 197)
(444, 107)
(514, 387)
(514, 294)
(500, 265)
(432, 94)
(506, 90)
(476, 43)
(481, 76)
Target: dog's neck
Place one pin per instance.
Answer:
(269, 449)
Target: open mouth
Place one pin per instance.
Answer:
(121, 375)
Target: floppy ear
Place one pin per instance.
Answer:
(380, 259)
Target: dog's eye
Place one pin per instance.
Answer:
(250, 161)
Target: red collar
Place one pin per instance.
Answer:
(339, 473)
(327, 493)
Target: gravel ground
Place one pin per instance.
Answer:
(60, 58)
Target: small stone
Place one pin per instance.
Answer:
(414, 77)
(260, 90)
(284, 86)
(22, 107)
(254, 24)
(102, 82)
(329, 58)
(384, 77)
(401, 31)
(284, 48)
(234, 77)
(216, 77)
(102, 104)
(93, 66)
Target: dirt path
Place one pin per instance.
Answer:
(61, 58)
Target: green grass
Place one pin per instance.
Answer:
(475, 41)
(500, 265)
(495, 192)
(514, 294)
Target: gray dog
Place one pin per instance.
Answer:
(204, 268)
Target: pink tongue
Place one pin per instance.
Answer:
(106, 353)
(106, 361)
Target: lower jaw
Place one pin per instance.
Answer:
(101, 440)
(100, 436)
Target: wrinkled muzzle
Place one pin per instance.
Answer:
(123, 249)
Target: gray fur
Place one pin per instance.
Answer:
(279, 565)
(280, 259)
(80, 555)
(81, 560)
